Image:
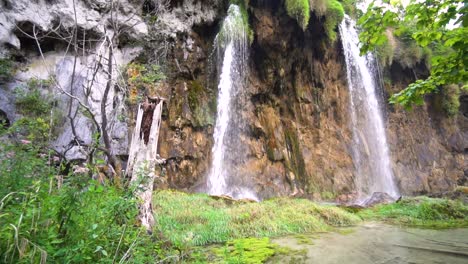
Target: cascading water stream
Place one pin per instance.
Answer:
(370, 150)
(217, 178)
(231, 45)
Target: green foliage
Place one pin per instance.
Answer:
(421, 212)
(142, 75)
(451, 99)
(430, 20)
(6, 69)
(385, 53)
(299, 10)
(143, 79)
(197, 219)
(34, 129)
(36, 106)
(80, 221)
(334, 15)
(31, 101)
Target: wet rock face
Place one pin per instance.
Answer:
(300, 99)
(428, 148)
(297, 133)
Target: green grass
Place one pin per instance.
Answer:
(197, 219)
(421, 212)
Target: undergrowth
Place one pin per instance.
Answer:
(197, 219)
(421, 212)
(50, 218)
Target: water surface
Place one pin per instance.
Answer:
(378, 243)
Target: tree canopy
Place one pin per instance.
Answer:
(440, 25)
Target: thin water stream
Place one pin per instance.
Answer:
(231, 45)
(369, 149)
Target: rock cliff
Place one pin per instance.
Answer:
(297, 108)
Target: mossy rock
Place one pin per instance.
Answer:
(248, 250)
(334, 15)
(201, 106)
(296, 160)
(299, 10)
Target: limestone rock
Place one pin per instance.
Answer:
(378, 198)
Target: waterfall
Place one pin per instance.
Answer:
(231, 44)
(370, 150)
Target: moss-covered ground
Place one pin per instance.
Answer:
(420, 212)
(198, 219)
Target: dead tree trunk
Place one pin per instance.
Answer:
(143, 156)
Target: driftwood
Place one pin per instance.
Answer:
(143, 156)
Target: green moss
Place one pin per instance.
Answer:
(295, 162)
(334, 15)
(248, 250)
(199, 103)
(451, 99)
(197, 219)
(421, 212)
(299, 10)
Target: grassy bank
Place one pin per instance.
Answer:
(420, 212)
(197, 219)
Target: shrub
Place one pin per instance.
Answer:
(299, 10)
(334, 15)
(81, 222)
(143, 78)
(33, 100)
